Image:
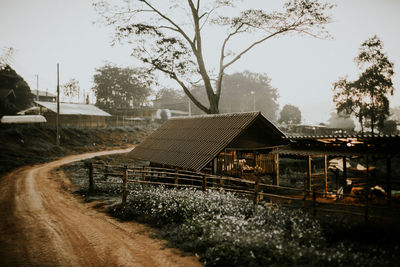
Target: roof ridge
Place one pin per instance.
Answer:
(232, 114)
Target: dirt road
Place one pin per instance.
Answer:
(42, 224)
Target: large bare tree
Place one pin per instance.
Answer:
(169, 35)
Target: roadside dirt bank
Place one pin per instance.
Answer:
(42, 224)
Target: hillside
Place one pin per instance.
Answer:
(23, 145)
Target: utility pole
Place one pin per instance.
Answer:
(58, 106)
(37, 91)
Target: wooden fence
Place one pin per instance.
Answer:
(319, 202)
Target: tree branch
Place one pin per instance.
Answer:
(251, 46)
(221, 61)
(178, 29)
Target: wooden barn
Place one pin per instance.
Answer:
(237, 144)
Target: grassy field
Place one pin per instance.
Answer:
(23, 145)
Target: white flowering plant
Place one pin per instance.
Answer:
(228, 230)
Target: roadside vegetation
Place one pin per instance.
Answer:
(29, 144)
(224, 229)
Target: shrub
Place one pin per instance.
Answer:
(228, 230)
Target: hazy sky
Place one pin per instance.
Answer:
(46, 32)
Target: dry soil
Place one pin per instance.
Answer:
(43, 224)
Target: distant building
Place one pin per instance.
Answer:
(43, 96)
(74, 115)
(303, 129)
(23, 119)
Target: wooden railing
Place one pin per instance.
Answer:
(317, 201)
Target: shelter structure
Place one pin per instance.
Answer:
(364, 161)
(236, 144)
(43, 96)
(23, 119)
(74, 115)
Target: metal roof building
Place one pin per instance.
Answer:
(23, 119)
(193, 142)
(74, 109)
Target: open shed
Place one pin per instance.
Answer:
(334, 161)
(236, 144)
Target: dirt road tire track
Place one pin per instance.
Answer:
(42, 224)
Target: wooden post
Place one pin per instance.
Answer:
(256, 190)
(309, 179)
(58, 107)
(368, 186)
(176, 178)
(326, 174)
(314, 199)
(204, 182)
(221, 181)
(388, 179)
(143, 175)
(124, 185)
(276, 161)
(91, 180)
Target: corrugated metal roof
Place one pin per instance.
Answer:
(360, 136)
(192, 142)
(342, 145)
(42, 93)
(23, 119)
(74, 109)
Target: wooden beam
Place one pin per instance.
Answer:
(276, 158)
(309, 174)
(326, 174)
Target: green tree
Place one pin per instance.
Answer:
(249, 91)
(169, 36)
(245, 91)
(290, 115)
(117, 87)
(71, 90)
(10, 80)
(367, 97)
(389, 127)
(167, 98)
(341, 120)
(6, 57)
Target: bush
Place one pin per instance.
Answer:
(224, 229)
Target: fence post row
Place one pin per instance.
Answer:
(204, 182)
(124, 184)
(256, 189)
(143, 175)
(176, 182)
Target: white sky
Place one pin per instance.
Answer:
(46, 32)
